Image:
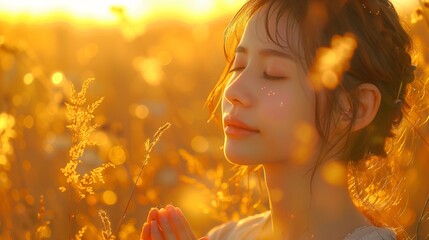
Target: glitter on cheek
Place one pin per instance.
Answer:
(277, 106)
(271, 93)
(273, 99)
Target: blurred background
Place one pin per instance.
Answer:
(154, 61)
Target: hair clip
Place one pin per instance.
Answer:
(398, 100)
(408, 78)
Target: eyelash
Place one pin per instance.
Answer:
(269, 77)
(264, 74)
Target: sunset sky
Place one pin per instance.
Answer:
(101, 12)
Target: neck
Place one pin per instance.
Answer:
(306, 208)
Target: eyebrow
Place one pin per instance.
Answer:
(267, 52)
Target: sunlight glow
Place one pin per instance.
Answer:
(106, 12)
(404, 6)
(28, 78)
(117, 155)
(57, 78)
(109, 197)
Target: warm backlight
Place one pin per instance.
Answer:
(106, 11)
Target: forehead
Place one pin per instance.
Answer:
(270, 27)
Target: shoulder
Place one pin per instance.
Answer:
(371, 233)
(245, 228)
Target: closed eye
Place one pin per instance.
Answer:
(270, 77)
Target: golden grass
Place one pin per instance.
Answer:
(225, 198)
(107, 226)
(80, 116)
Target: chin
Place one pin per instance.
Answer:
(245, 159)
(244, 152)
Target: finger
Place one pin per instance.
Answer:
(180, 225)
(152, 215)
(155, 234)
(145, 232)
(185, 222)
(167, 230)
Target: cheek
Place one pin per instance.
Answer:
(288, 120)
(277, 116)
(276, 105)
(287, 104)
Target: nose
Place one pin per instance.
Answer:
(237, 91)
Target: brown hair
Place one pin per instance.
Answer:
(382, 58)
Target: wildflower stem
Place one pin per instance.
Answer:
(148, 147)
(69, 200)
(128, 202)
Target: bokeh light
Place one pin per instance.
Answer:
(57, 78)
(28, 121)
(28, 78)
(199, 144)
(109, 197)
(117, 155)
(335, 173)
(141, 111)
(305, 137)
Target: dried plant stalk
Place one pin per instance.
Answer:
(149, 144)
(7, 133)
(43, 231)
(80, 233)
(41, 213)
(228, 198)
(80, 116)
(107, 226)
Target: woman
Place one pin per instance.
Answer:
(294, 106)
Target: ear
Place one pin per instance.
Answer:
(369, 103)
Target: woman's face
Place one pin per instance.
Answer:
(268, 106)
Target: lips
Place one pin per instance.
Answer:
(237, 129)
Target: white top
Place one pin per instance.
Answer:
(249, 229)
